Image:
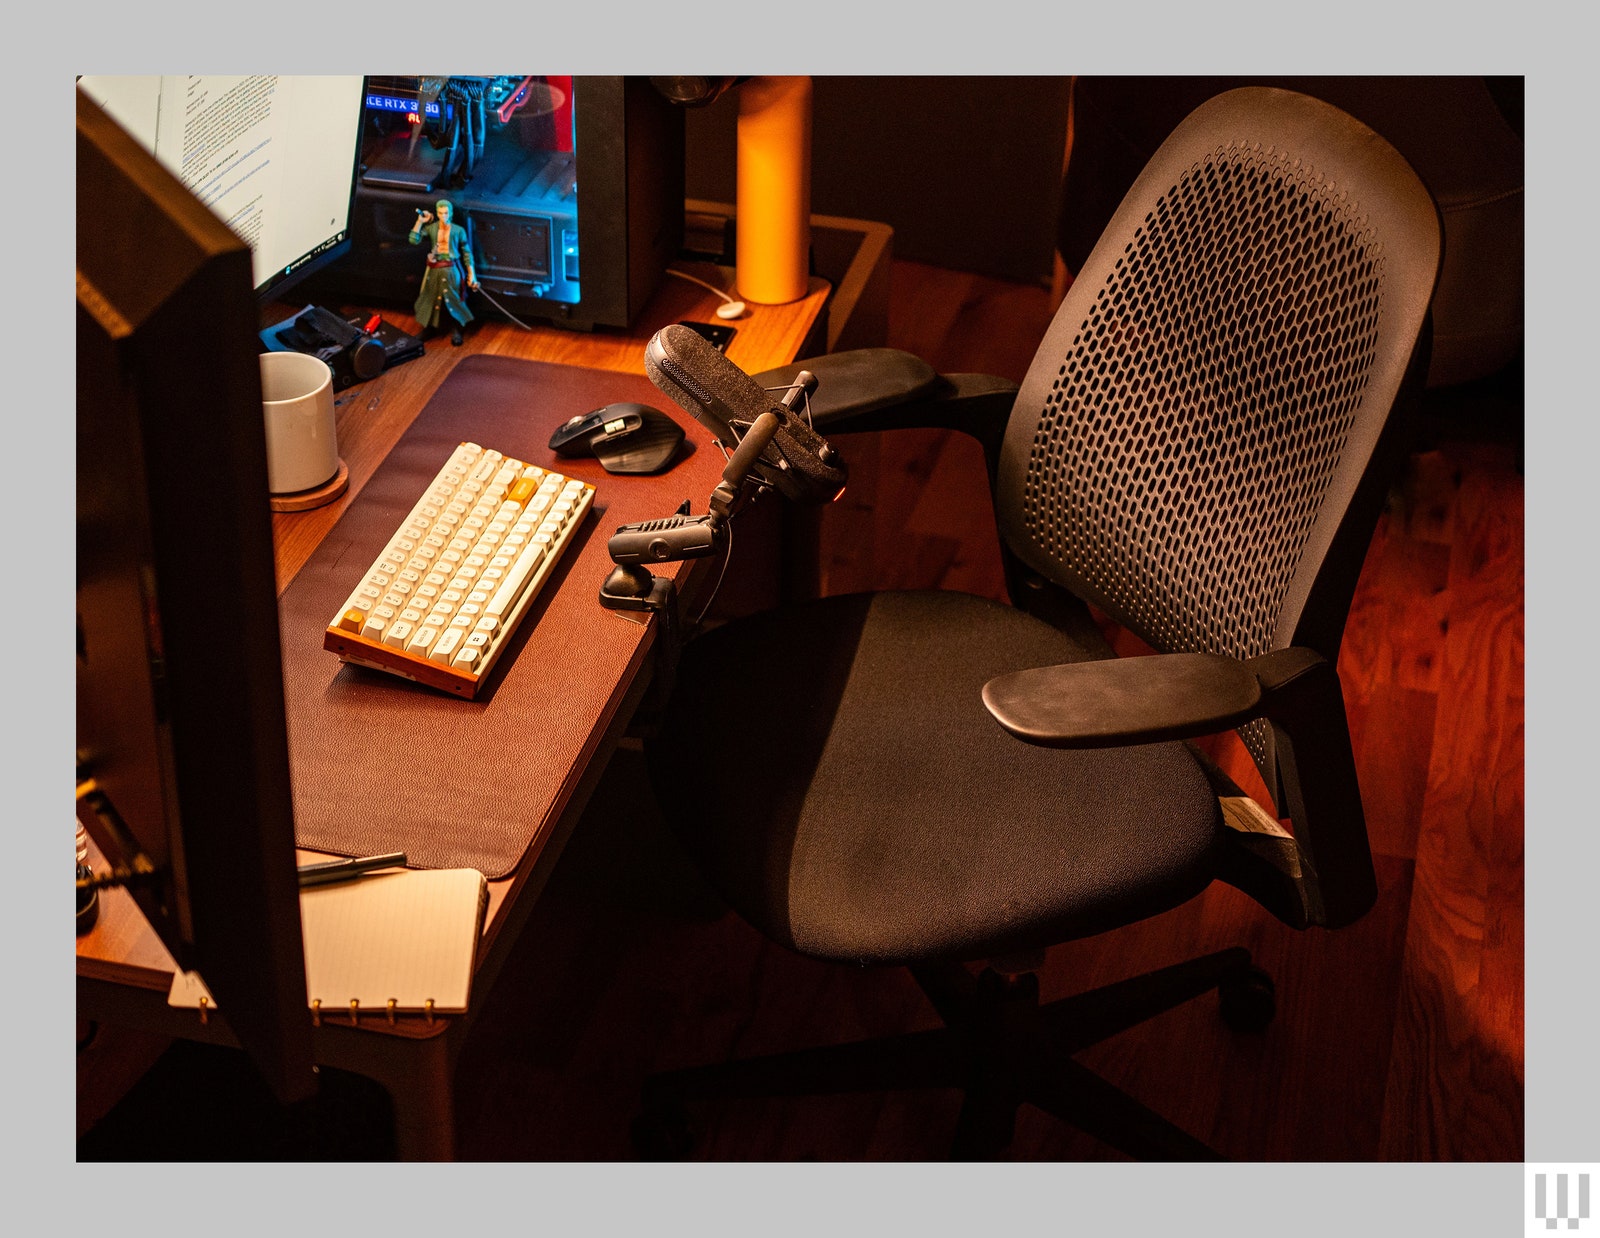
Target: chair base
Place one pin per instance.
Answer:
(999, 1046)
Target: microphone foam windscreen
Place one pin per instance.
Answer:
(704, 383)
(798, 463)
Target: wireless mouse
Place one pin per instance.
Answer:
(625, 438)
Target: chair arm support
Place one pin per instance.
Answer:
(1321, 794)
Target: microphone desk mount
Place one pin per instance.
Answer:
(632, 586)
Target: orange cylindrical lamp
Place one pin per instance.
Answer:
(772, 252)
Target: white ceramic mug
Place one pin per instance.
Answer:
(297, 400)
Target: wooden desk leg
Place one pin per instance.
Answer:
(424, 1105)
(419, 1077)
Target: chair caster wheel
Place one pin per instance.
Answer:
(1248, 999)
(662, 1133)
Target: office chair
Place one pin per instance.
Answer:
(1200, 449)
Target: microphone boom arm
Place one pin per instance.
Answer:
(630, 586)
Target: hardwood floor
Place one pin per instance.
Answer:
(1400, 1038)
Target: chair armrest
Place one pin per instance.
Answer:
(888, 389)
(1122, 701)
(858, 381)
(1142, 700)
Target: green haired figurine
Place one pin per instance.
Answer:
(441, 281)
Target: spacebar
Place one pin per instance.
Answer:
(505, 597)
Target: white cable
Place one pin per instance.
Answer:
(729, 307)
(503, 309)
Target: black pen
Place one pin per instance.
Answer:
(341, 870)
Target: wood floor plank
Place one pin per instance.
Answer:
(1455, 1089)
(1430, 484)
(1397, 612)
(1392, 736)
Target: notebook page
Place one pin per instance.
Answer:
(407, 936)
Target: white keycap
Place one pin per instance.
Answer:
(445, 646)
(511, 587)
(422, 640)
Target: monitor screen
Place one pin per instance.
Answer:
(273, 156)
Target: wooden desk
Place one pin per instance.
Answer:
(123, 970)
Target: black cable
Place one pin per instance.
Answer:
(727, 553)
(478, 93)
(467, 125)
(469, 142)
(450, 119)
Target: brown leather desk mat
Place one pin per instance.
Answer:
(383, 764)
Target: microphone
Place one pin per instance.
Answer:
(797, 461)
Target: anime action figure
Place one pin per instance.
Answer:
(441, 284)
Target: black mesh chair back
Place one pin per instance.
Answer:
(1188, 448)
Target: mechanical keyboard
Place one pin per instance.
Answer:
(442, 599)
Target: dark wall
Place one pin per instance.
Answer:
(967, 170)
(1462, 135)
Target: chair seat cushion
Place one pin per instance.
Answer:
(833, 768)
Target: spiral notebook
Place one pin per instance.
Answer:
(391, 943)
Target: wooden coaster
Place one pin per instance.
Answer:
(317, 496)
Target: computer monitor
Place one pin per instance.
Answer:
(181, 729)
(273, 156)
